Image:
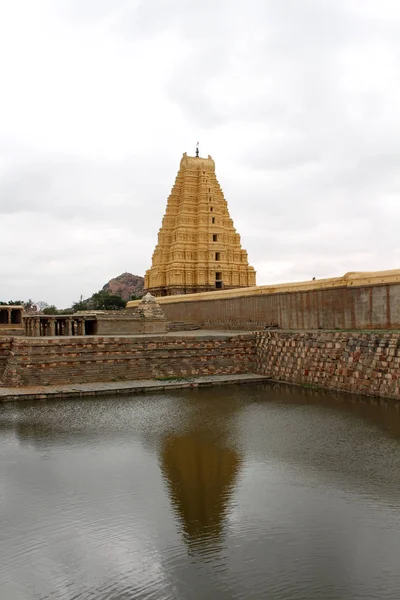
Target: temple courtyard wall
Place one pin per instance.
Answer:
(354, 301)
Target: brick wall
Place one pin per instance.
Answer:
(364, 363)
(38, 361)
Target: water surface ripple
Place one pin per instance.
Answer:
(234, 492)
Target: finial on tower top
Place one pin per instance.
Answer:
(197, 150)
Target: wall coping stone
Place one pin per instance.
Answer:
(349, 280)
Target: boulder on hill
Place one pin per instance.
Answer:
(126, 286)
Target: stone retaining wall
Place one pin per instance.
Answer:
(182, 326)
(5, 344)
(360, 362)
(363, 363)
(11, 331)
(41, 361)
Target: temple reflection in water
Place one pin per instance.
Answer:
(200, 475)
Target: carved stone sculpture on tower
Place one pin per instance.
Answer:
(198, 247)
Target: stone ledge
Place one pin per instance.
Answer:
(349, 280)
(123, 387)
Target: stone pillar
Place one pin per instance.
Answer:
(9, 316)
(52, 326)
(67, 326)
(79, 327)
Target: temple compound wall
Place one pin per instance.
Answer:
(354, 301)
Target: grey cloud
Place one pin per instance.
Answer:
(187, 86)
(89, 11)
(297, 101)
(197, 21)
(71, 187)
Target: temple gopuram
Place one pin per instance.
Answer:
(198, 248)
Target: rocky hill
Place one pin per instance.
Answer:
(125, 285)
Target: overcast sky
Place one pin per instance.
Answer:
(298, 102)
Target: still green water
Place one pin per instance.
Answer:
(237, 492)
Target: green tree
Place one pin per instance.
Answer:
(30, 306)
(103, 300)
(50, 310)
(80, 305)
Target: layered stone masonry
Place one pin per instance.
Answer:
(359, 362)
(5, 346)
(362, 363)
(41, 361)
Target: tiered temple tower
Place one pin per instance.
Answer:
(198, 249)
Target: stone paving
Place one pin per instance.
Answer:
(123, 387)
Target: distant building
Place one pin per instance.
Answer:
(11, 319)
(198, 247)
(147, 317)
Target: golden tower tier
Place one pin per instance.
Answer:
(198, 248)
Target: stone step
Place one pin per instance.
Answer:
(124, 387)
(182, 326)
